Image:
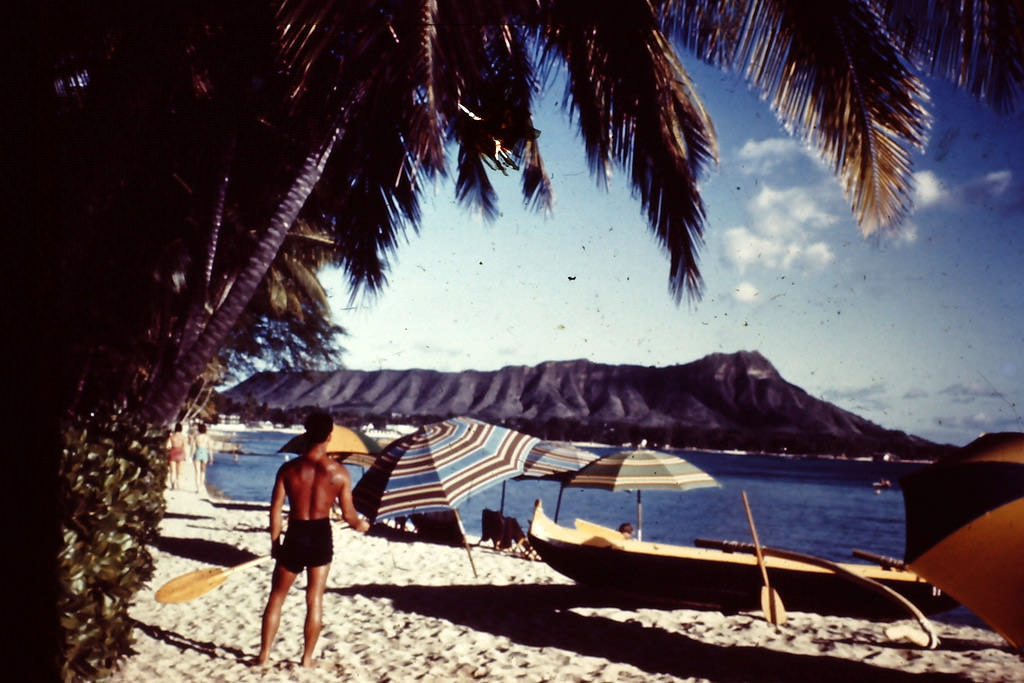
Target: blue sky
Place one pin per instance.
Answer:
(922, 331)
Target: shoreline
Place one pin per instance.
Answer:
(399, 610)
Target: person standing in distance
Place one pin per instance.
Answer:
(311, 482)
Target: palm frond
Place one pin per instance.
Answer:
(472, 186)
(978, 45)
(494, 127)
(834, 78)
(417, 27)
(710, 30)
(637, 109)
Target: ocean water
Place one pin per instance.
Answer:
(822, 507)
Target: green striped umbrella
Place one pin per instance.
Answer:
(640, 470)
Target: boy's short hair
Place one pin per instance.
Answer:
(319, 425)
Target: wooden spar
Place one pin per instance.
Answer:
(882, 561)
(892, 632)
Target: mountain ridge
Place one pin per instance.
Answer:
(722, 401)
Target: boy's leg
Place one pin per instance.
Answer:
(279, 586)
(316, 578)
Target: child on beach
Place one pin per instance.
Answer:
(201, 456)
(176, 446)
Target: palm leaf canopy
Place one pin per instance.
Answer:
(418, 78)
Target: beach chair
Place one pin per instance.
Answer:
(441, 526)
(492, 525)
(505, 533)
(516, 541)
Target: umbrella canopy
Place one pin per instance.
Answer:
(439, 466)
(349, 445)
(639, 470)
(554, 459)
(965, 529)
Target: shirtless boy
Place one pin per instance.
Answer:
(312, 482)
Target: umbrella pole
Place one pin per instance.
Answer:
(465, 543)
(558, 506)
(639, 518)
(502, 510)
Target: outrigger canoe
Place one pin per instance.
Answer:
(729, 581)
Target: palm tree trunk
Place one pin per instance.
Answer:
(169, 391)
(202, 308)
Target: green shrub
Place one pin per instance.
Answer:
(110, 503)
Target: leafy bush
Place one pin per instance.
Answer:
(110, 503)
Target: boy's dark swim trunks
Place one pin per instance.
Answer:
(306, 544)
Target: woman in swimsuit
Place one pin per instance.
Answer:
(176, 455)
(201, 457)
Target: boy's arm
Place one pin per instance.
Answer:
(277, 510)
(348, 508)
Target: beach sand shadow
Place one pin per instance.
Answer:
(183, 643)
(540, 616)
(228, 505)
(182, 515)
(210, 552)
(406, 536)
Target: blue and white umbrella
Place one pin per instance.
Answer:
(440, 465)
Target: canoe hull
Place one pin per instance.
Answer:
(729, 582)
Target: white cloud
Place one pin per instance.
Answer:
(745, 248)
(930, 190)
(746, 292)
(999, 181)
(905, 234)
(788, 212)
(782, 231)
(819, 254)
(761, 156)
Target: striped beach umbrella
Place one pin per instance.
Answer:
(965, 529)
(347, 445)
(639, 470)
(554, 460)
(438, 466)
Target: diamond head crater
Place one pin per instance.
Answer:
(724, 401)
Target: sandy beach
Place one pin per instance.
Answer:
(399, 610)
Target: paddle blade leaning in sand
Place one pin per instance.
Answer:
(200, 582)
(771, 601)
(911, 633)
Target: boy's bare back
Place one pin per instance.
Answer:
(313, 485)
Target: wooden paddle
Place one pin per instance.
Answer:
(771, 603)
(909, 632)
(200, 582)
